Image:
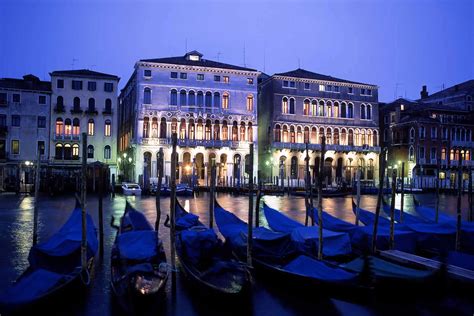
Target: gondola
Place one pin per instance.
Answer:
(205, 261)
(55, 267)
(181, 190)
(275, 257)
(138, 265)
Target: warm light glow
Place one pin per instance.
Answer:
(129, 159)
(187, 168)
(119, 160)
(124, 155)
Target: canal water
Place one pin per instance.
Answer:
(16, 225)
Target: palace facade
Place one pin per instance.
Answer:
(211, 106)
(299, 107)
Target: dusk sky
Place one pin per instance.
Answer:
(398, 45)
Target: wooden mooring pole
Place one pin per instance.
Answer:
(392, 209)
(212, 193)
(379, 198)
(37, 184)
(458, 213)
(83, 203)
(402, 198)
(250, 214)
(173, 201)
(158, 190)
(320, 198)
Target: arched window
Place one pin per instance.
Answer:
(443, 153)
(369, 112)
(108, 105)
(147, 95)
(292, 106)
(217, 100)
(235, 132)
(336, 136)
(314, 108)
(299, 135)
(67, 152)
(343, 140)
(77, 104)
(225, 131)
(343, 110)
(284, 105)
(242, 131)
(208, 99)
(225, 100)
(250, 132)
(59, 101)
(163, 127)
(174, 97)
(328, 109)
(328, 136)
(107, 152)
(108, 128)
(200, 98)
(306, 107)
(375, 139)
(191, 98)
(357, 140)
(59, 126)
(146, 127)
(76, 128)
(67, 127)
(335, 109)
(285, 134)
(208, 130)
(90, 127)
(412, 135)
(411, 154)
(58, 153)
(362, 111)
(306, 135)
(154, 127)
(350, 111)
(199, 130)
(90, 151)
(182, 129)
(314, 135)
(250, 103)
(182, 97)
(217, 130)
(350, 140)
(174, 126)
(191, 130)
(321, 134)
(75, 151)
(294, 167)
(321, 108)
(277, 133)
(91, 107)
(370, 169)
(292, 134)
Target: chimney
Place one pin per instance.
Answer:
(424, 93)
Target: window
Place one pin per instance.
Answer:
(42, 99)
(76, 85)
(108, 87)
(208, 99)
(225, 100)
(285, 83)
(284, 105)
(67, 127)
(191, 98)
(147, 96)
(59, 126)
(16, 98)
(422, 132)
(249, 80)
(67, 152)
(58, 154)
(321, 87)
(350, 90)
(92, 86)
(3, 120)
(250, 103)
(174, 75)
(75, 151)
(329, 88)
(362, 111)
(107, 152)
(226, 79)
(41, 147)
(217, 78)
(91, 107)
(443, 153)
(369, 92)
(60, 83)
(41, 121)
(350, 111)
(369, 112)
(77, 104)
(292, 106)
(411, 154)
(3, 98)
(434, 133)
(306, 107)
(108, 106)
(385, 119)
(292, 84)
(182, 97)
(362, 91)
(433, 153)
(412, 135)
(174, 97)
(147, 73)
(217, 99)
(15, 147)
(90, 151)
(183, 75)
(336, 88)
(200, 77)
(107, 128)
(200, 98)
(422, 152)
(90, 127)
(15, 120)
(76, 129)
(306, 85)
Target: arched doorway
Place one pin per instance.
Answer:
(294, 167)
(187, 169)
(212, 157)
(223, 168)
(339, 170)
(328, 170)
(200, 167)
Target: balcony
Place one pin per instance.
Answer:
(154, 141)
(422, 161)
(59, 109)
(434, 161)
(76, 111)
(69, 137)
(337, 148)
(3, 130)
(91, 111)
(192, 142)
(459, 143)
(107, 111)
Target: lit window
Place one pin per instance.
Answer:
(90, 127)
(107, 152)
(107, 128)
(321, 87)
(59, 126)
(402, 107)
(15, 147)
(75, 127)
(250, 103)
(225, 100)
(226, 79)
(249, 80)
(75, 151)
(194, 57)
(200, 77)
(284, 105)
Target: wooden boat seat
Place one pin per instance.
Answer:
(408, 258)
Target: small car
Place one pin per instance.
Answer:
(131, 189)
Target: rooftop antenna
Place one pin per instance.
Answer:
(395, 95)
(218, 55)
(73, 62)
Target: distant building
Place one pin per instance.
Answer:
(430, 133)
(24, 128)
(210, 105)
(83, 101)
(299, 107)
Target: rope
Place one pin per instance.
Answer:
(87, 275)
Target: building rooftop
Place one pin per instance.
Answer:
(194, 58)
(29, 82)
(466, 87)
(302, 73)
(86, 73)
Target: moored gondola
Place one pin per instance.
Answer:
(139, 269)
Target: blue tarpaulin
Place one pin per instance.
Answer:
(319, 270)
(198, 246)
(137, 245)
